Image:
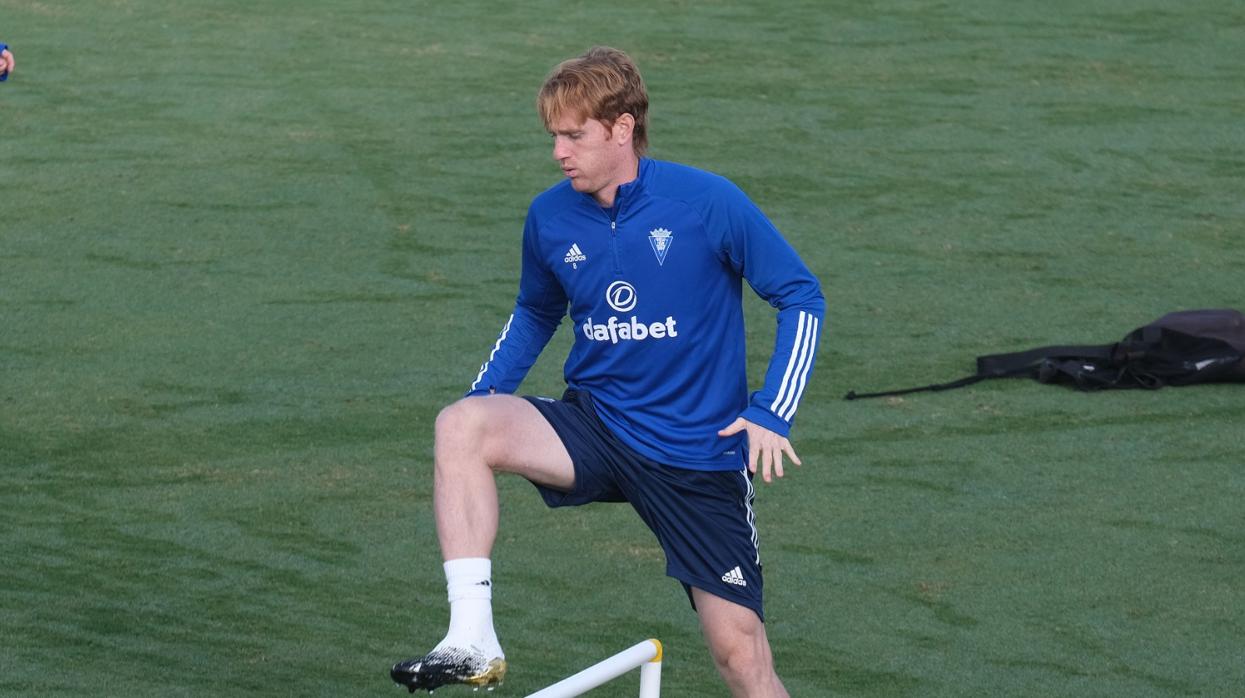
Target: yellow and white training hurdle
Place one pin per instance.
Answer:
(645, 655)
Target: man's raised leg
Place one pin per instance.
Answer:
(476, 438)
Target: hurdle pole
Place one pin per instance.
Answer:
(645, 655)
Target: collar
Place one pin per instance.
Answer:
(626, 191)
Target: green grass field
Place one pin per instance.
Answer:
(249, 249)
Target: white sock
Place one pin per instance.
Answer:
(469, 587)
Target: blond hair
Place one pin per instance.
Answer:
(602, 84)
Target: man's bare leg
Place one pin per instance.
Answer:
(476, 438)
(740, 648)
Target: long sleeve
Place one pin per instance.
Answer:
(777, 274)
(538, 310)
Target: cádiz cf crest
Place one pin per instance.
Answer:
(660, 239)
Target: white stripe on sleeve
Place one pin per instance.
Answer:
(791, 364)
(810, 346)
(484, 367)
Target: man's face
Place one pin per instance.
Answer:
(591, 155)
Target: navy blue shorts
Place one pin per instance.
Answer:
(703, 519)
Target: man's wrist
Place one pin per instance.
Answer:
(764, 418)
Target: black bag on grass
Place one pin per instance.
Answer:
(1181, 348)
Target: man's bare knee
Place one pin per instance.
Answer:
(461, 431)
(458, 420)
(744, 657)
(479, 428)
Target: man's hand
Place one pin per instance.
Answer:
(6, 62)
(763, 445)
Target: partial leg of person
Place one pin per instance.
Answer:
(740, 648)
(476, 438)
(706, 525)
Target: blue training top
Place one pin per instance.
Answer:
(654, 289)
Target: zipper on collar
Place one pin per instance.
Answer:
(614, 245)
(613, 216)
(613, 213)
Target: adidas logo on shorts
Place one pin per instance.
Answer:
(735, 577)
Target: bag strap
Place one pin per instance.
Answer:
(1005, 365)
(1000, 365)
(967, 380)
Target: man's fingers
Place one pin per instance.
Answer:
(775, 458)
(786, 448)
(765, 449)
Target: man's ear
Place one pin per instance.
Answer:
(624, 125)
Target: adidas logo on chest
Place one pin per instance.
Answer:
(574, 256)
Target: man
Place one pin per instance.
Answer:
(6, 62)
(650, 257)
